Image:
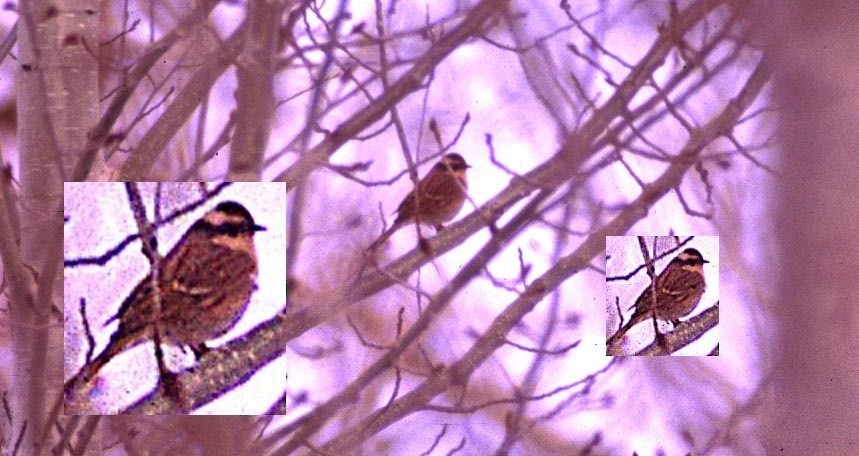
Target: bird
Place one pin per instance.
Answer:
(678, 288)
(440, 196)
(204, 285)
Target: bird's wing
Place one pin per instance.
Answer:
(140, 293)
(200, 270)
(681, 283)
(406, 209)
(190, 273)
(438, 191)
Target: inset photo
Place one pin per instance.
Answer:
(169, 292)
(662, 295)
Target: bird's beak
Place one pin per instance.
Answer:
(704, 261)
(256, 228)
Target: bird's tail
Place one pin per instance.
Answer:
(613, 343)
(384, 237)
(91, 369)
(87, 372)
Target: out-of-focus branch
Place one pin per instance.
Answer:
(8, 42)
(255, 93)
(155, 141)
(472, 24)
(495, 336)
(438, 303)
(130, 82)
(551, 174)
(21, 280)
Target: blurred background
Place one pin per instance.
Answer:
(580, 120)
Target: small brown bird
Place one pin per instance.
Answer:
(679, 288)
(440, 196)
(204, 285)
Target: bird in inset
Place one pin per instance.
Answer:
(204, 286)
(678, 288)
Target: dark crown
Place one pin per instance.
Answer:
(243, 224)
(694, 257)
(454, 161)
(234, 208)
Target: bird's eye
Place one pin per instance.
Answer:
(233, 229)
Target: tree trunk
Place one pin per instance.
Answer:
(57, 104)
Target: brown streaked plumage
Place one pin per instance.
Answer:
(679, 288)
(440, 196)
(204, 284)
